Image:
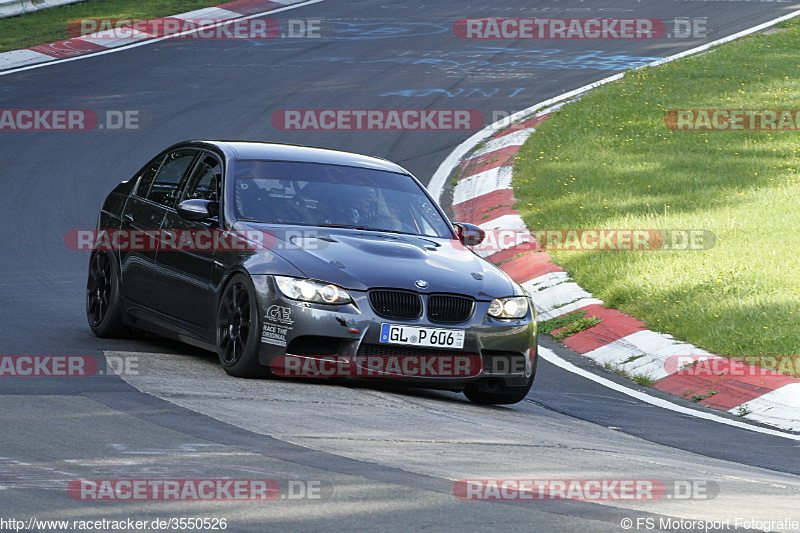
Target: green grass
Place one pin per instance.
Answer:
(577, 326)
(571, 323)
(50, 25)
(699, 397)
(608, 161)
(553, 324)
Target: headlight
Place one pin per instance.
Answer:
(516, 307)
(307, 290)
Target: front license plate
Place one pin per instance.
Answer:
(436, 338)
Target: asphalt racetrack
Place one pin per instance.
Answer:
(358, 457)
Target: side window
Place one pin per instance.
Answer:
(169, 177)
(146, 176)
(205, 180)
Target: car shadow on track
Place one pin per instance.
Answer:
(154, 344)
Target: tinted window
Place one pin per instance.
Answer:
(146, 176)
(328, 195)
(205, 180)
(170, 175)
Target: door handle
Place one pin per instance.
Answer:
(127, 218)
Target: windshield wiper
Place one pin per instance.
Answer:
(387, 232)
(348, 226)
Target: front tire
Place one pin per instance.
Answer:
(502, 394)
(237, 329)
(103, 307)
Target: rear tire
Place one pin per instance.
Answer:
(103, 307)
(503, 395)
(237, 329)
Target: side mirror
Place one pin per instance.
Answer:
(197, 209)
(469, 234)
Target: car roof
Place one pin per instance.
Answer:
(304, 154)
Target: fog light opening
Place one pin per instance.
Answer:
(494, 384)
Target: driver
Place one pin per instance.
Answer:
(248, 195)
(364, 208)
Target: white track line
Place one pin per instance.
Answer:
(551, 357)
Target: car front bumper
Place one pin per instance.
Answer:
(504, 348)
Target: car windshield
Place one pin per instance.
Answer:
(314, 194)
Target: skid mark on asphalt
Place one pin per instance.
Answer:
(22, 475)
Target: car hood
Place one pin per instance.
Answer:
(361, 260)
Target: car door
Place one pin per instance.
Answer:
(140, 215)
(144, 212)
(183, 272)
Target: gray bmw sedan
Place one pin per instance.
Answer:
(296, 261)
